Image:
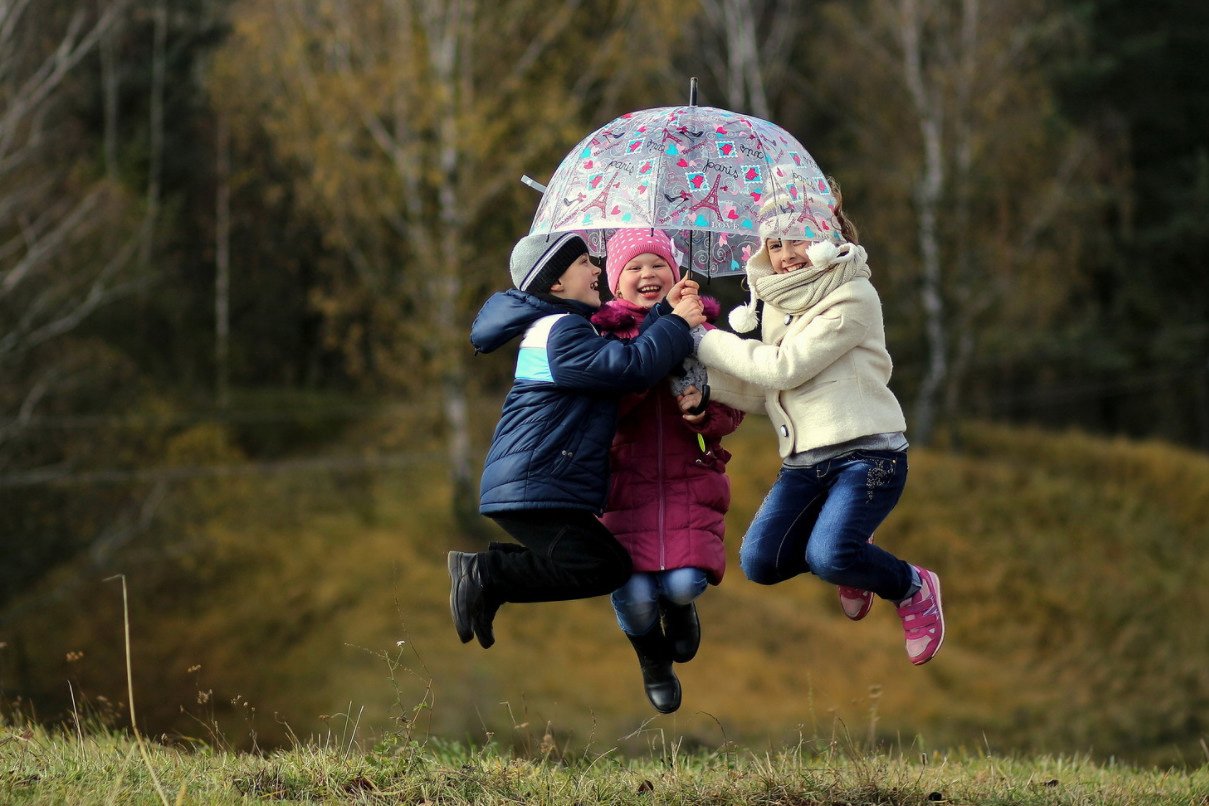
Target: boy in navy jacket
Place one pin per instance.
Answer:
(546, 477)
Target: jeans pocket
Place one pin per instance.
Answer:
(881, 472)
(885, 472)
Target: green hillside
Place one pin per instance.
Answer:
(1075, 570)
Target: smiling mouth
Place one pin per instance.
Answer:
(647, 290)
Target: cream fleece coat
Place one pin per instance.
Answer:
(821, 376)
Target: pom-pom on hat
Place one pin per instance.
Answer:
(627, 244)
(539, 260)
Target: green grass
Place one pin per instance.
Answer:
(284, 611)
(37, 766)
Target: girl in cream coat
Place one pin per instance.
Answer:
(820, 371)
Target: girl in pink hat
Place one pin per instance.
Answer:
(669, 488)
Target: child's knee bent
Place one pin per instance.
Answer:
(829, 563)
(635, 616)
(759, 570)
(683, 585)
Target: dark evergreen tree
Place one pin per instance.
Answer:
(1141, 86)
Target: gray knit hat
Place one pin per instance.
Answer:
(539, 260)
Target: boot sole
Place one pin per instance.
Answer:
(674, 705)
(462, 625)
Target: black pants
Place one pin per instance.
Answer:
(564, 554)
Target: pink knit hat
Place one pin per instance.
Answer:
(627, 244)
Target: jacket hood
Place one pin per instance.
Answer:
(508, 314)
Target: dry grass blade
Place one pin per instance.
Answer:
(138, 737)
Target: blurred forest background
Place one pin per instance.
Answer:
(241, 243)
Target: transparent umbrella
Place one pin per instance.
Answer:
(699, 173)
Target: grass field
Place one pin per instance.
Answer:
(293, 612)
(37, 767)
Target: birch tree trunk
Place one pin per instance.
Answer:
(739, 37)
(109, 86)
(964, 82)
(155, 127)
(929, 108)
(222, 260)
(449, 26)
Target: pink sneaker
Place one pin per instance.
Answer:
(855, 602)
(923, 619)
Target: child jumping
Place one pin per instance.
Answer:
(669, 493)
(820, 372)
(546, 475)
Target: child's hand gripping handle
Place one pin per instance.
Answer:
(686, 303)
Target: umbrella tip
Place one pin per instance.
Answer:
(533, 183)
(692, 91)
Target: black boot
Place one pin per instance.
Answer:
(683, 630)
(472, 606)
(662, 687)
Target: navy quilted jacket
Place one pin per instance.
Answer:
(551, 446)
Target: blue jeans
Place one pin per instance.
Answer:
(636, 603)
(818, 519)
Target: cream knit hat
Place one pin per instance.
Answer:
(791, 216)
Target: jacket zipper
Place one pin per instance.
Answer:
(659, 467)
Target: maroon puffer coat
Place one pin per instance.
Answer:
(667, 496)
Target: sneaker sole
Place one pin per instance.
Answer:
(866, 606)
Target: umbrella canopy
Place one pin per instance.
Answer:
(687, 170)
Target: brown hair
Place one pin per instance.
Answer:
(847, 228)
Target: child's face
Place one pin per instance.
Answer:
(645, 280)
(579, 282)
(787, 256)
